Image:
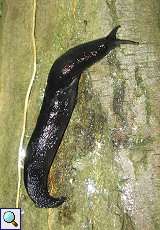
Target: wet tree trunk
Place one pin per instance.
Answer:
(109, 162)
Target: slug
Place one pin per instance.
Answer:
(58, 104)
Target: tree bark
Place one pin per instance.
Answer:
(108, 164)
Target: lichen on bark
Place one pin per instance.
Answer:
(108, 163)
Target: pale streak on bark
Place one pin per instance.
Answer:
(74, 7)
(26, 102)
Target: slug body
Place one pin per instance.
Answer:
(57, 107)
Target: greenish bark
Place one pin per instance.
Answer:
(108, 162)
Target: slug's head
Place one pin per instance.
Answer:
(77, 59)
(113, 41)
(71, 64)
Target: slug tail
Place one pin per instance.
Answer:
(117, 42)
(51, 202)
(42, 199)
(36, 185)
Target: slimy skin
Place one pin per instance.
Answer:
(57, 107)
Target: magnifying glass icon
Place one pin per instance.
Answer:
(9, 217)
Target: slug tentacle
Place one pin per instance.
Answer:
(113, 39)
(57, 107)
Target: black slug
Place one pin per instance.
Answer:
(57, 107)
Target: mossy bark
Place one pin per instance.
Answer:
(108, 162)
